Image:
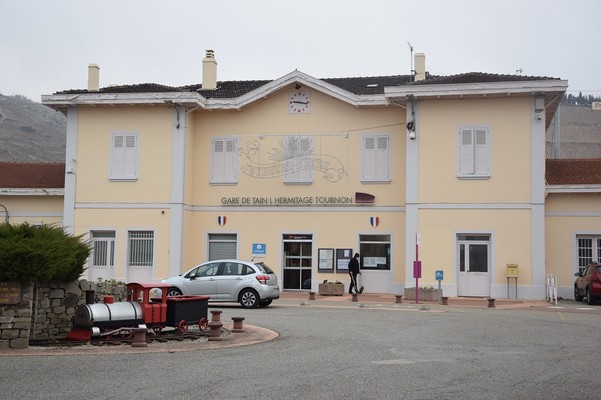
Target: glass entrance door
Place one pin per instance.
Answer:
(298, 261)
(473, 267)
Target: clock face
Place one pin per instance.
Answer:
(299, 103)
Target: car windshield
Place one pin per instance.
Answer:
(264, 268)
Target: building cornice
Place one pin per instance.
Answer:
(31, 192)
(573, 188)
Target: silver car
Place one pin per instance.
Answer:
(252, 284)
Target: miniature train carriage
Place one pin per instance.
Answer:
(147, 306)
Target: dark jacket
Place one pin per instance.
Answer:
(353, 266)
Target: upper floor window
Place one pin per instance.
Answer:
(298, 159)
(474, 152)
(224, 161)
(124, 156)
(376, 157)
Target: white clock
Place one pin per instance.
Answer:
(299, 102)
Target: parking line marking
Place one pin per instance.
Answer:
(560, 315)
(585, 308)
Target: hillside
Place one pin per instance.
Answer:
(30, 131)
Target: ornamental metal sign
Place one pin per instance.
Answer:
(10, 292)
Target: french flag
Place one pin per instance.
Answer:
(374, 221)
(221, 220)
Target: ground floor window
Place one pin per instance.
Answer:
(374, 251)
(103, 248)
(298, 261)
(222, 246)
(589, 250)
(140, 248)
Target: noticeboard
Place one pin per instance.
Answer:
(326, 260)
(343, 256)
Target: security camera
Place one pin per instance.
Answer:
(412, 135)
(539, 116)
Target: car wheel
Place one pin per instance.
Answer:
(249, 298)
(265, 303)
(577, 296)
(589, 299)
(174, 292)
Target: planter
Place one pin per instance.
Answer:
(424, 294)
(331, 289)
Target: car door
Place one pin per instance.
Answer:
(202, 282)
(581, 281)
(231, 280)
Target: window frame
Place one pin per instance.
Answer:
(149, 262)
(584, 260)
(118, 161)
(468, 168)
(227, 171)
(380, 177)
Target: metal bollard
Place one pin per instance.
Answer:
(139, 337)
(216, 315)
(215, 327)
(399, 298)
(311, 295)
(445, 301)
(238, 324)
(491, 303)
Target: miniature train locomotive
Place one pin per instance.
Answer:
(147, 306)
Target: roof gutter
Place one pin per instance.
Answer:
(31, 192)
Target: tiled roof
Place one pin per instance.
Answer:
(357, 85)
(32, 175)
(573, 172)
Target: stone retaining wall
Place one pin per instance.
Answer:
(48, 313)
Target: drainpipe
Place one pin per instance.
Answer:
(6, 212)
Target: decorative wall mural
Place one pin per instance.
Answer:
(292, 155)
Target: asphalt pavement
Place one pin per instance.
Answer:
(336, 348)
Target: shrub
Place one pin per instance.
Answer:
(40, 254)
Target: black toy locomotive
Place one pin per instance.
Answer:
(147, 306)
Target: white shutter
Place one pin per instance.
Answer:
(466, 140)
(381, 161)
(481, 151)
(369, 158)
(124, 154)
(224, 160)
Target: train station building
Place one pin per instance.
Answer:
(302, 172)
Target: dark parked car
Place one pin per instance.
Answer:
(588, 284)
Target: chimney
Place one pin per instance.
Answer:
(209, 71)
(93, 78)
(420, 66)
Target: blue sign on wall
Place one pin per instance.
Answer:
(259, 249)
(439, 275)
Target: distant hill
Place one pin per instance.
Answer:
(30, 131)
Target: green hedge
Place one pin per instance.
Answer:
(40, 254)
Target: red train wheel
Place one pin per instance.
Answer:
(203, 324)
(182, 327)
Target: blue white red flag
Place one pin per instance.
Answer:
(221, 220)
(374, 221)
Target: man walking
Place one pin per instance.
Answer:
(353, 271)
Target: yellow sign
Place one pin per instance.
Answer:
(512, 270)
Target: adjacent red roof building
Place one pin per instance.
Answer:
(32, 175)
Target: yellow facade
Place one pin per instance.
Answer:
(298, 178)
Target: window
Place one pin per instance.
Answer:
(124, 156)
(376, 158)
(474, 152)
(103, 248)
(298, 159)
(222, 246)
(374, 251)
(589, 250)
(140, 248)
(224, 161)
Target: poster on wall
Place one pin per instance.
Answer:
(326, 260)
(343, 256)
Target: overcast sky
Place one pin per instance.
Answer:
(46, 45)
